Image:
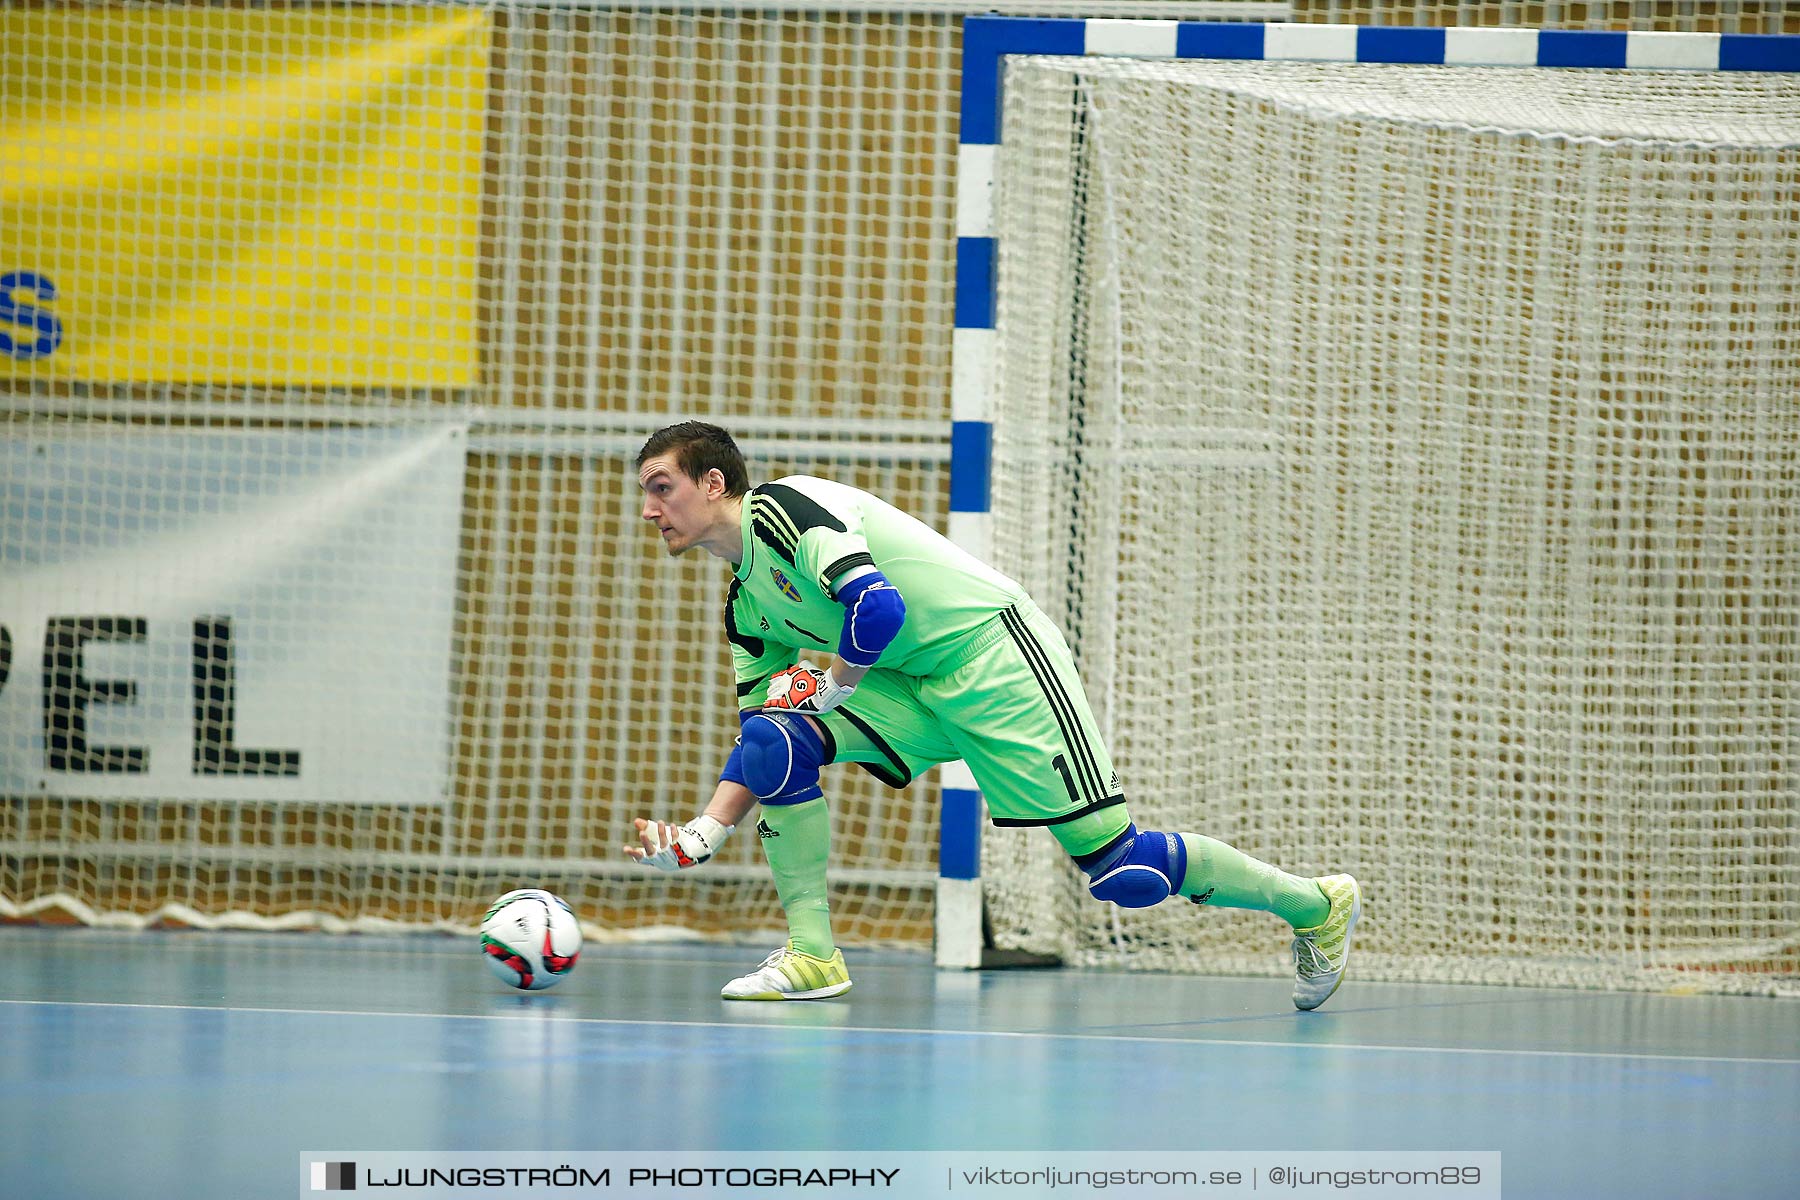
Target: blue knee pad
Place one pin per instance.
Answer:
(1136, 870)
(782, 757)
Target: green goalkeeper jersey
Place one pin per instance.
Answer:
(803, 535)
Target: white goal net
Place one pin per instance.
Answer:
(1413, 455)
(330, 332)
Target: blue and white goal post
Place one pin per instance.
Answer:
(987, 42)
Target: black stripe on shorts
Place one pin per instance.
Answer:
(1084, 810)
(1066, 718)
(899, 777)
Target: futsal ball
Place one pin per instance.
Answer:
(530, 939)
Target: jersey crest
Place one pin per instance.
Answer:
(785, 584)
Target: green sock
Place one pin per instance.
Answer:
(1232, 879)
(796, 839)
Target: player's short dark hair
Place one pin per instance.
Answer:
(698, 448)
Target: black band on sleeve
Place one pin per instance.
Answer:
(829, 576)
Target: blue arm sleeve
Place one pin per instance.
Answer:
(874, 611)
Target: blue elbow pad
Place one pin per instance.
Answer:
(874, 611)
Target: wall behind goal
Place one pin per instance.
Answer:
(679, 210)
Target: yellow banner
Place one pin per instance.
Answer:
(203, 195)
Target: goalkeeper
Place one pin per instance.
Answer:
(930, 656)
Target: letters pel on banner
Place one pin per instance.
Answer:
(220, 615)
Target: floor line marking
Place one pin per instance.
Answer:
(967, 1033)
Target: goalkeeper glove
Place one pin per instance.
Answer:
(678, 847)
(803, 688)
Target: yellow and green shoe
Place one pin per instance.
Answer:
(790, 974)
(1321, 952)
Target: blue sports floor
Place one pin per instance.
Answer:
(199, 1066)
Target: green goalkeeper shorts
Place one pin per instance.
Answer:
(1011, 706)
